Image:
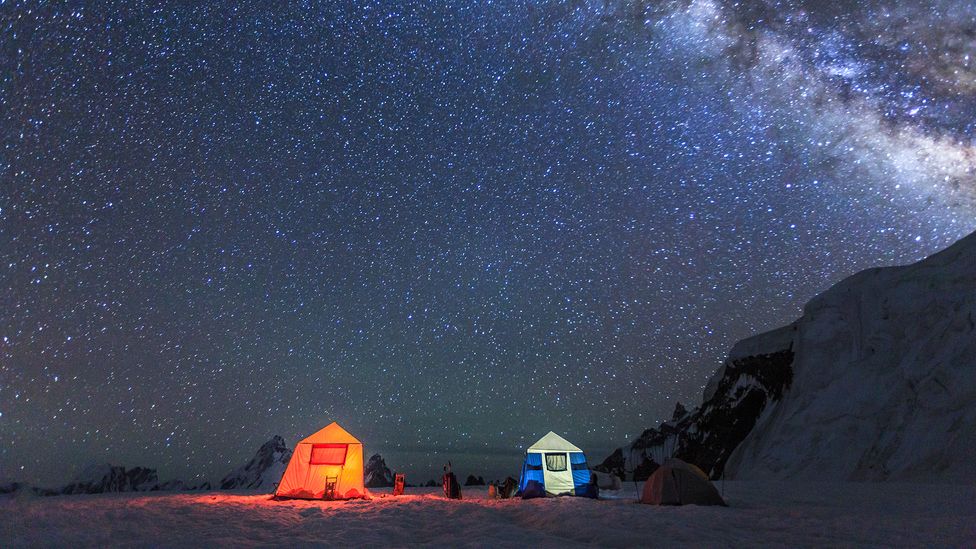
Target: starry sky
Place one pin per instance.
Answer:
(449, 226)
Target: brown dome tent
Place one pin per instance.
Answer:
(325, 465)
(680, 483)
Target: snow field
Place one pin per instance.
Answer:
(768, 515)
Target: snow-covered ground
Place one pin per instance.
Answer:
(776, 514)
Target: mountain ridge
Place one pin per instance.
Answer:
(874, 381)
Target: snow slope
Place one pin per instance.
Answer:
(761, 514)
(876, 381)
(884, 380)
(263, 471)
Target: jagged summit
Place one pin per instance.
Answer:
(264, 470)
(376, 473)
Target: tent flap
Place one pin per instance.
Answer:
(581, 471)
(531, 470)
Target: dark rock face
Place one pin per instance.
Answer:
(707, 435)
(748, 386)
(171, 485)
(11, 487)
(645, 469)
(679, 412)
(431, 484)
(180, 486)
(113, 478)
(263, 471)
(474, 481)
(18, 488)
(376, 473)
(615, 464)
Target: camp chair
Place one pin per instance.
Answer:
(398, 484)
(452, 490)
(330, 488)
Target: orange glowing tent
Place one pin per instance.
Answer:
(326, 465)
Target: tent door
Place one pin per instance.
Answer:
(330, 488)
(557, 473)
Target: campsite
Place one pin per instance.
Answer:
(320, 499)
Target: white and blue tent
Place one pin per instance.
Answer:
(555, 467)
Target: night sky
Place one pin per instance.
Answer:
(449, 227)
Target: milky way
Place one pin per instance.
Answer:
(451, 228)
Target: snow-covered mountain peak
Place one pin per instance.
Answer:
(264, 470)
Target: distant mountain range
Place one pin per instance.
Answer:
(102, 478)
(262, 472)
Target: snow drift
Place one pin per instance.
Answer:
(761, 514)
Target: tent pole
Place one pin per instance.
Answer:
(723, 482)
(633, 476)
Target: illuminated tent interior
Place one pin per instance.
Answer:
(679, 483)
(555, 467)
(325, 465)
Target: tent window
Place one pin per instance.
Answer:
(533, 462)
(328, 454)
(556, 462)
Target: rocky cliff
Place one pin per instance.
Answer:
(756, 374)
